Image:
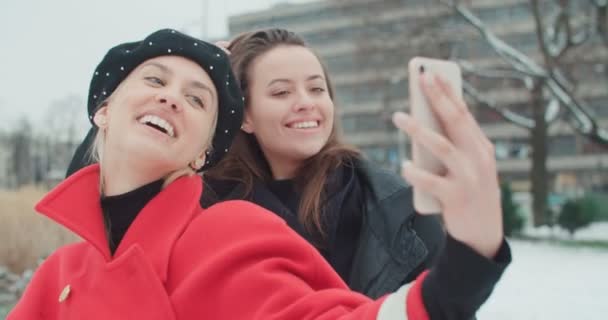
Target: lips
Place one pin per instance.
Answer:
(306, 124)
(158, 123)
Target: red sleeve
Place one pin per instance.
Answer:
(415, 303)
(239, 261)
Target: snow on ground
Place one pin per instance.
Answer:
(551, 282)
(596, 231)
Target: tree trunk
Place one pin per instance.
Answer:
(539, 173)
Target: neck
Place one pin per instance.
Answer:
(120, 176)
(283, 168)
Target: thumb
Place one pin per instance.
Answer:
(222, 44)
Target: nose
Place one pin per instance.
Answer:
(168, 100)
(304, 103)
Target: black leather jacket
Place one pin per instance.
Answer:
(395, 243)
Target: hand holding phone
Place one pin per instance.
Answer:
(421, 111)
(454, 168)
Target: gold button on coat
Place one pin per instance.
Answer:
(65, 293)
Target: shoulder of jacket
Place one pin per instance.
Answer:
(237, 227)
(71, 249)
(383, 183)
(234, 217)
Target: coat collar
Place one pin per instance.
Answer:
(75, 204)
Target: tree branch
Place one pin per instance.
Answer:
(564, 21)
(602, 20)
(557, 85)
(519, 61)
(600, 3)
(513, 117)
(580, 38)
(469, 68)
(540, 34)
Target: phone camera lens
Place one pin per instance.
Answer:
(421, 69)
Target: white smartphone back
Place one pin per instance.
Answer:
(421, 111)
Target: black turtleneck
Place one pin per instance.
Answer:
(120, 211)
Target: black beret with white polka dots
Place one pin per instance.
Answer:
(123, 58)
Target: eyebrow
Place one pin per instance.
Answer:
(202, 86)
(313, 77)
(161, 66)
(194, 83)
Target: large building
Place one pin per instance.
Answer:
(366, 46)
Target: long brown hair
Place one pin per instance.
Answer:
(245, 161)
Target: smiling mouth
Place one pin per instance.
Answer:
(159, 124)
(159, 128)
(304, 125)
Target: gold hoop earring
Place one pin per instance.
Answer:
(196, 164)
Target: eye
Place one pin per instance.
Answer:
(280, 93)
(155, 80)
(197, 101)
(318, 89)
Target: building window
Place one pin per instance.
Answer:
(562, 145)
(376, 154)
(361, 123)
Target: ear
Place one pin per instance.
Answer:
(199, 162)
(247, 125)
(101, 117)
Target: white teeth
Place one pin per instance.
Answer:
(305, 125)
(158, 122)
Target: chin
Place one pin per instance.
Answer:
(151, 153)
(305, 152)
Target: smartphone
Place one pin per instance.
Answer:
(421, 111)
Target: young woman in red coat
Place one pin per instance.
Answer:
(165, 108)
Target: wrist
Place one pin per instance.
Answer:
(486, 246)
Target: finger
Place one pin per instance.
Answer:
(423, 180)
(460, 104)
(448, 90)
(480, 139)
(224, 45)
(474, 143)
(466, 133)
(453, 118)
(435, 143)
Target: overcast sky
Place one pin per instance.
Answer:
(49, 48)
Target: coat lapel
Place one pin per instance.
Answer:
(75, 204)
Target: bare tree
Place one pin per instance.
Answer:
(21, 146)
(62, 118)
(565, 29)
(552, 94)
(62, 128)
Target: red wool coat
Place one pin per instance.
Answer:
(234, 260)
